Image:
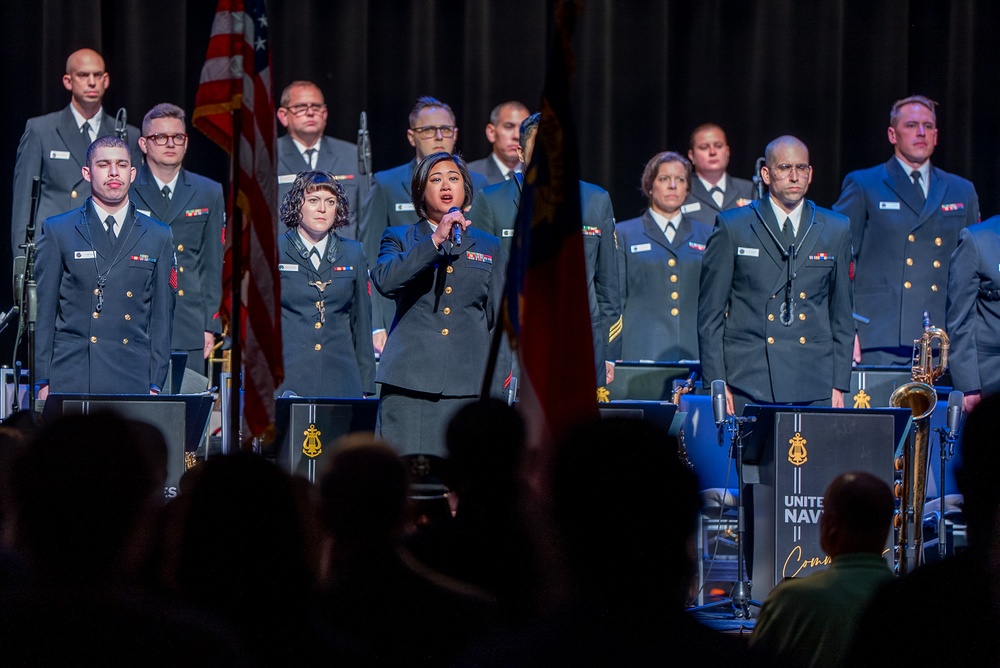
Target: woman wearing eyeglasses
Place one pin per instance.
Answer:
(325, 308)
(659, 267)
(447, 297)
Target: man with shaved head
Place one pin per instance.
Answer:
(774, 312)
(504, 134)
(54, 147)
(811, 621)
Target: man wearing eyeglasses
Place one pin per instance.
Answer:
(905, 219)
(303, 113)
(54, 147)
(774, 310)
(432, 130)
(194, 208)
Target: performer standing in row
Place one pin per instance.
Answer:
(714, 189)
(447, 298)
(973, 315)
(659, 267)
(194, 208)
(54, 147)
(774, 316)
(325, 307)
(303, 113)
(106, 280)
(905, 219)
(504, 134)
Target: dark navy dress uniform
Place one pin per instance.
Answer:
(495, 210)
(447, 305)
(196, 213)
(741, 337)
(389, 204)
(700, 206)
(53, 148)
(973, 322)
(337, 157)
(659, 283)
(902, 249)
(328, 352)
(110, 340)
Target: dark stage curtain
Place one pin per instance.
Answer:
(647, 72)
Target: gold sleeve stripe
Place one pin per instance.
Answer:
(616, 329)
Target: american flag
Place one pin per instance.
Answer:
(558, 387)
(234, 103)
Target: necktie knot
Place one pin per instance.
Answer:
(109, 222)
(310, 153)
(86, 130)
(918, 181)
(789, 231)
(166, 192)
(716, 194)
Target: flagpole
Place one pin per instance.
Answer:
(236, 304)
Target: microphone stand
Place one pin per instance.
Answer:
(739, 597)
(758, 183)
(947, 448)
(25, 297)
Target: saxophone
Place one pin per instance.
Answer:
(920, 397)
(675, 398)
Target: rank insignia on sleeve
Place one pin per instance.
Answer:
(697, 247)
(173, 273)
(191, 213)
(591, 231)
(821, 256)
(479, 257)
(956, 206)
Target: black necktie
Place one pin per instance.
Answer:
(789, 232)
(110, 222)
(916, 176)
(166, 193)
(310, 152)
(87, 131)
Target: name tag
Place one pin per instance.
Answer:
(507, 232)
(288, 267)
(748, 252)
(286, 178)
(688, 208)
(59, 155)
(404, 206)
(640, 248)
(144, 212)
(892, 206)
(84, 255)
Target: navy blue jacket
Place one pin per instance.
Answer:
(447, 304)
(125, 347)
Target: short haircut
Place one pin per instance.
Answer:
(528, 128)
(162, 110)
(702, 128)
(653, 167)
(107, 141)
(286, 94)
(290, 212)
(976, 475)
(784, 140)
(426, 102)
(497, 110)
(418, 186)
(863, 505)
(898, 105)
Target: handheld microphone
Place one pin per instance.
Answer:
(121, 119)
(719, 401)
(954, 412)
(456, 229)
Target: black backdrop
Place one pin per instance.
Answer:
(648, 71)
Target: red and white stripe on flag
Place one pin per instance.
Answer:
(236, 79)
